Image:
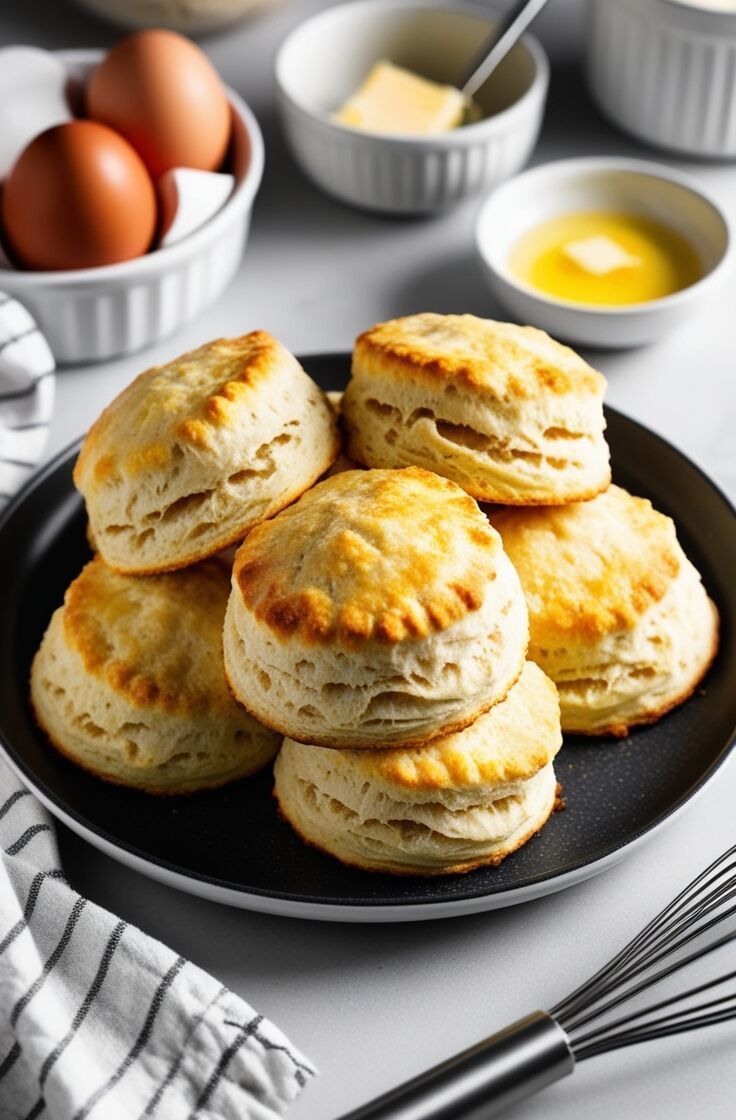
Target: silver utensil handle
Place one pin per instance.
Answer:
(482, 1081)
(506, 33)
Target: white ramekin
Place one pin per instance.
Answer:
(665, 71)
(194, 17)
(326, 58)
(601, 183)
(92, 314)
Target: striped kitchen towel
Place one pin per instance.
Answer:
(26, 395)
(100, 1022)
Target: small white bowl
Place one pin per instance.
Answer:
(195, 17)
(325, 59)
(92, 314)
(664, 71)
(594, 183)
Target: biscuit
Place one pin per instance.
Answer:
(342, 463)
(619, 617)
(129, 683)
(378, 609)
(459, 802)
(334, 397)
(505, 411)
(192, 454)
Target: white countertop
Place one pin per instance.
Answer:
(373, 1005)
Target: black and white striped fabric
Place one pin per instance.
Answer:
(26, 395)
(100, 1022)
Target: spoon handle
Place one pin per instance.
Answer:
(505, 34)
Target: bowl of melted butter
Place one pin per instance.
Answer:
(604, 252)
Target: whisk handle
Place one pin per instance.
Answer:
(484, 1080)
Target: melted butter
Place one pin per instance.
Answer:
(649, 259)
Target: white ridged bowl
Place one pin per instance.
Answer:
(326, 58)
(195, 17)
(92, 314)
(665, 71)
(602, 183)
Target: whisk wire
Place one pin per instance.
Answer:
(630, 1038)
(574, 1023)
(688, 920)
(679, 998)
(606, 978)
(543, 1047)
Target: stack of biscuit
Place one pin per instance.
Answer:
(380, 627)
(619, 617)
(395, 640)
(129, 679)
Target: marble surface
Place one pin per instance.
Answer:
(373, 1005)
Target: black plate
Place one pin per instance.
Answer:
(615, 790)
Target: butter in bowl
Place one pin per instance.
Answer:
(397, 101)
(370, 107)
(603, 251)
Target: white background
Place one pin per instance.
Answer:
(373, 1005)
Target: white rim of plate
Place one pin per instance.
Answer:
(366, 914)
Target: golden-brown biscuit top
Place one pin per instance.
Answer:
(189, 402)
(378, 554)
(510, 743)
(590, 568)
(487, 357)
(156, 640)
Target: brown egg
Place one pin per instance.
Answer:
(164, 95)
(78, 196)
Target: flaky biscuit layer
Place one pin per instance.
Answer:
(505, 411)
(462, 801)
(410, 849)
(129, 683)
(369, 555)
(636, 676)
(619, 617)
(193, 453)
(379, 607)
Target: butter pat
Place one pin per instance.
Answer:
(599, 255)
(393, 100)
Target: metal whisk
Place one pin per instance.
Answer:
(545, 1046)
